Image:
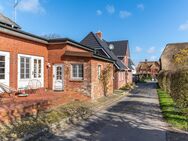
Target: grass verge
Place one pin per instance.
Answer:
(172, 114)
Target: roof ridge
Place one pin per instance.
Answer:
(119, 41)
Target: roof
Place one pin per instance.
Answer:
(7, 26)
(8, 22)
(147, 65)
(120, 47)
(173, 48)
(130, 64)
(93, 41)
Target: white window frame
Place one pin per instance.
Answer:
(7, 68)
(99, 72)
(23, 83)
(25, 74)
(37, 68)
(77, 71)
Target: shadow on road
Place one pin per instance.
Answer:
(137, 118)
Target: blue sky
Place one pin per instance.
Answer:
(148, 24)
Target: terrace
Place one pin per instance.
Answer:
(14, 107)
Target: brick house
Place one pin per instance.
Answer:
(167, 56)
(148, 69)
(58, 64)
(116, 50)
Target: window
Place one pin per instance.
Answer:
(24, 67)
(37, 68)
(59, 73)
(2, 67)
(77, 71)
(99, 71)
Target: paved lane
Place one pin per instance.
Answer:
(134, 118)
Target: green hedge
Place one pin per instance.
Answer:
(176, 84)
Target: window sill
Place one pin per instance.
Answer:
(76, 80)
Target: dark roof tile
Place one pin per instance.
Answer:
(92, 40)
(120, 47)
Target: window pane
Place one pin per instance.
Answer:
(2, 58)
(35, 68)
(2, 76)
(80, 70)
(27, 65)
(27, 60)
(27, 70)
(22, 60)
(77, 70)
(99, 71)
(22, 70)
(74, 70)
(2, 64)
(27, 75)
(24, 67)
(2, 70)
(22, 75)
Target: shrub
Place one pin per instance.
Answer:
(162, 79)
(176, 84)
(127, 86)
(179, 88)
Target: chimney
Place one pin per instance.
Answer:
(99, 34)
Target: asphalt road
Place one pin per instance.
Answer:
(134, 118)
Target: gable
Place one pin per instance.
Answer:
(90, 41)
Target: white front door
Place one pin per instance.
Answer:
(4, 67)
(58, 71)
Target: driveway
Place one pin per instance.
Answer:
(134, 118)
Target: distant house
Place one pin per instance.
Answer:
(148, 69)
(115, 50)
(167, 57)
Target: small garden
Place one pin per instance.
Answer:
(49, 121)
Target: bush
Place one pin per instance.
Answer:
(176, 84)
(179, 88)
(127, 86)
(160, 79)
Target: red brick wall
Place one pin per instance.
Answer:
(56, 56)
(119, 79)
(15, 46)
(97, 89)
(91, 85)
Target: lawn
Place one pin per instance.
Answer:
(171, 113)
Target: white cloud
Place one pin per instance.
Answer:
(124, 14)
(138, 49)
(33, 6)
(184, 26)
(153, 58)
(151, 50)
(110, 9)
(99, 12)
(140, 6)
